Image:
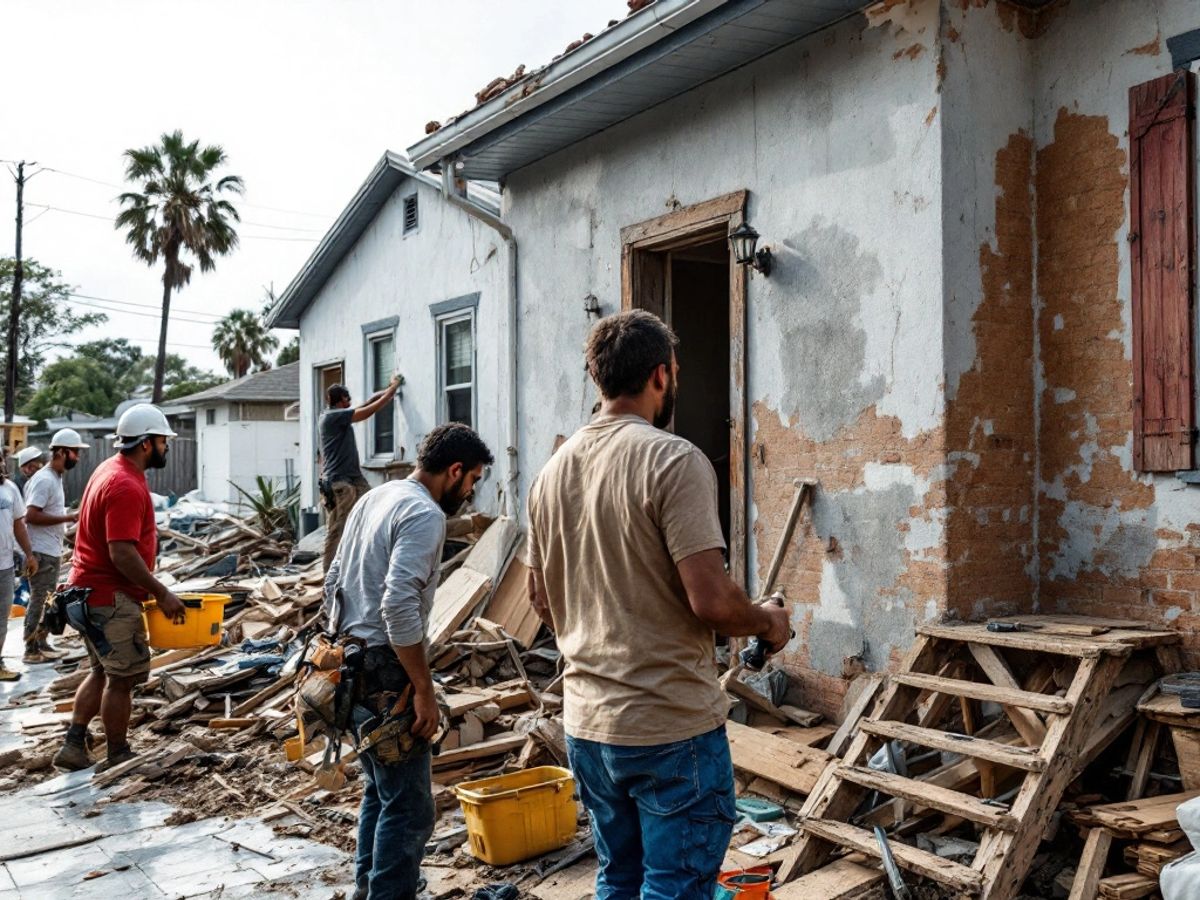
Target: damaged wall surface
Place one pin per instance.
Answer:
(944, 341)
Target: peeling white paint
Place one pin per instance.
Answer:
(1063, 395)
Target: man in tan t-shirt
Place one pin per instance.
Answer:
(627, 566)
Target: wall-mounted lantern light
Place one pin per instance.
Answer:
(743, 240)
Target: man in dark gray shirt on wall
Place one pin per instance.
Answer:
(342, 481)
(379, 590)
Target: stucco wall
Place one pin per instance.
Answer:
(837, 138)
(391, 274)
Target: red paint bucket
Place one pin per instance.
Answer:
(745, 883)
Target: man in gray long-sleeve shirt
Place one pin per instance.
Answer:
(379, 589)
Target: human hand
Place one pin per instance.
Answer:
(779, 628)
(31, 565)
(172, 607)
(72, 515)
(427, 714)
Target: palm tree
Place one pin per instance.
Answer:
(241, 341)
(179, 209)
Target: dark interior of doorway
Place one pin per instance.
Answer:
(698, 311)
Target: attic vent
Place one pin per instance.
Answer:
(410, 213)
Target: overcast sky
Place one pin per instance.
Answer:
(303, 95)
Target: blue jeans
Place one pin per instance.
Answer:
(395, 822)
(661, 816)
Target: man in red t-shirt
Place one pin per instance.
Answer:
(115, 550)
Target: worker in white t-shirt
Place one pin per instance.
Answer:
(12, 534)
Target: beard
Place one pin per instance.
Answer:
(662, 419)
(158, 458)
(453, 497)
(69, 463)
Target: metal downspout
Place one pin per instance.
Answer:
(511, 503)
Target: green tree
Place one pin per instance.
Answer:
(290, 353)
(47, 318)
(241, 341)
(179, 216)
(100, 374)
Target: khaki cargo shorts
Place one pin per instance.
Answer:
(125, 629)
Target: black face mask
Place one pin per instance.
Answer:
(453, 497)
(158, 458)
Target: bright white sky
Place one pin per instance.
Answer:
(303, 95)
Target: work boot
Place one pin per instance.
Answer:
(72, 757)
(8, 674)
(115, 758)
(34, 655)
(50, 651)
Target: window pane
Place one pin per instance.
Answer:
(382, 362)
(383, 423)
(458, 406)
(459, 352)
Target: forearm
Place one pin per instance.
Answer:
(374, 405)
(22, 535)
(733, 614)
(416, 666)
(125, 557)
(35, 516)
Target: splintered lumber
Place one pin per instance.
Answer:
(501, 743)
(757, 701)
(1063, 645)
(1047, 703)
(510, 607)
(1136, 818)
(1016, 757)
(243, 722)
(1028, 725)
(868, 687)
(842, 879)
(778, 759)
(1128, 886)
(946, 871)
(508, 695)
(455, 600)
(931, 795)
(1091, 864)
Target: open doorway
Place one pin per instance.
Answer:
(679, 267)
(325, 377)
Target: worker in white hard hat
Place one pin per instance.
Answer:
(115, 548)
(47, 518)
(29, 461)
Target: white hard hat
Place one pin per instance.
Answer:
(139, 421)
(27, 455)
(68, 438)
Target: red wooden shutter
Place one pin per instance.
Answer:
(1161, 241)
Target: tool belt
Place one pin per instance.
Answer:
(327, 495)
(328, 683)
(71, 603)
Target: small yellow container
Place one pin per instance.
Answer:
(201, 626)
(17, 611)
(520, 815)
(293, 748)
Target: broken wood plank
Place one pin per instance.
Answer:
(454, 601)
(866, 696)
(509, 606)
(1047, 703)
(1016, 757)
(842, 879)
(1028, 725)
(787, 763)
(501, 743)
(1130, 819)
(757, 701)
(1128, 886)
(222, 724)
(923, 793)
(1091, 864)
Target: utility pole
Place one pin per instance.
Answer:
(14, 309)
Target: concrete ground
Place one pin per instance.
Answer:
(64, 838)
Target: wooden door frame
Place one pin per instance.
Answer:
(685, 227)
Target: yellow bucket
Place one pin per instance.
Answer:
(201, 626)
(17, 611)
(520, 815)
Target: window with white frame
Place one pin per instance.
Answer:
(456, 367)
(381, 364)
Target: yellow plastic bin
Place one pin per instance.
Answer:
(520, 815)
(201, 626)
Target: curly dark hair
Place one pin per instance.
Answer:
(449, 444)
(336, 393)
(623, 350)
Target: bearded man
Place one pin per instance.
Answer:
(378, 592)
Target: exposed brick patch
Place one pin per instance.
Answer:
(1101, 550)
(841, 465)
(989, 424)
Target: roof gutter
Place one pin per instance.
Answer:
(454, 191)
(608, 48)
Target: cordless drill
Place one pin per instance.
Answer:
(754, 657)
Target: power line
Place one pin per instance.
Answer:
(182, 309)
(122, 187)
(252, 237)
(146, 315)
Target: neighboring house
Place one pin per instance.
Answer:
(246, 428)
(973, 333)
(405, 281)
